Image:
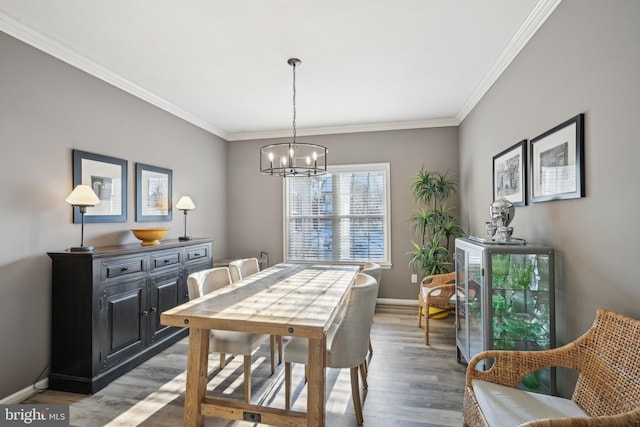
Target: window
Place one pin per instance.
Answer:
(342, 216)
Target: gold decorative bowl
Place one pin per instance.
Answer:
(149, 236)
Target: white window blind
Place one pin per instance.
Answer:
(342, 216)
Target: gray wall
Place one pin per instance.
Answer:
(48, 108)
(255, 201)
(584, 59)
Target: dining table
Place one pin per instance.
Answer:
(297, 300)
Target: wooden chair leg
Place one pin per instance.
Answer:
(363, 375)
(426, 325)
(223, 361)
(247, 378)
(272, 350)
(279, 340)
(287, 385)
(355, 394)
(420, 307)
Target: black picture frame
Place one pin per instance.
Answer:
(557, 162)
(107, 176)
(510, 175)
(153, 193)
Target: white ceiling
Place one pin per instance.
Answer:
(222, 64)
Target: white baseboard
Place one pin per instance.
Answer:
(394, 301)
(25, 393)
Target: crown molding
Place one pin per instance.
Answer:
(329, 130)
(530, 26)
(64, 53)
(534, 21)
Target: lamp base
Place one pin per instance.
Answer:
(184, 238)
(81, 249)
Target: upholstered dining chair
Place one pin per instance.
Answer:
(347, 340)
(436, 291)
(374, 270)
(223, 342)
(242, 268)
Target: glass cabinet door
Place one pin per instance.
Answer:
(474, 302)
(520, 301)
(462, 330)
(469, 310)
(520, 313)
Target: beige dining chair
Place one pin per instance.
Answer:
(374, 270)
(223, 342)
(241, 269)
(347, 340)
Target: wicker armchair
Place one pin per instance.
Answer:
(607, 358)
(435, 292)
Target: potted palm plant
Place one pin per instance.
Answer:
(434, 224)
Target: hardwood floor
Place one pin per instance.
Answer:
(410, 384)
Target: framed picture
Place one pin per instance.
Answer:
(108, 178)
(153, 193)
(509, 176)
(557, 162)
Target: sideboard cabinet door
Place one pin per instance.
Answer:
(122, 322)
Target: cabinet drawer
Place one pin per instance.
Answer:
(122, 267)
(165, 259)
(197, 253)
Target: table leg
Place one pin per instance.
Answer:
(316, 382)
(197, 369)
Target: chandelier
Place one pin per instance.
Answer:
(293, 158)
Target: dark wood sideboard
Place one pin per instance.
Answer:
(106, 307)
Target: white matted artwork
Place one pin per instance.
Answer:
(107, 176)
(153, 193)
(557, 162)
(509, 174)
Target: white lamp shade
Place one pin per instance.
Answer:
(83, 195)
(185, 203)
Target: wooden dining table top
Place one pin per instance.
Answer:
(285, 299)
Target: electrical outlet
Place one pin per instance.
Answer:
(414, 278)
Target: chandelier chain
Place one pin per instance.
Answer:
(294, 103)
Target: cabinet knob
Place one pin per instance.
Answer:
(166, 261)
(154, 309)
(145, 312)
(124, 269)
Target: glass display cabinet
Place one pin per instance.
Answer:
(505, 301)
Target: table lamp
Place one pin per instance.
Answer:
(185, 204)
(82, 197)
